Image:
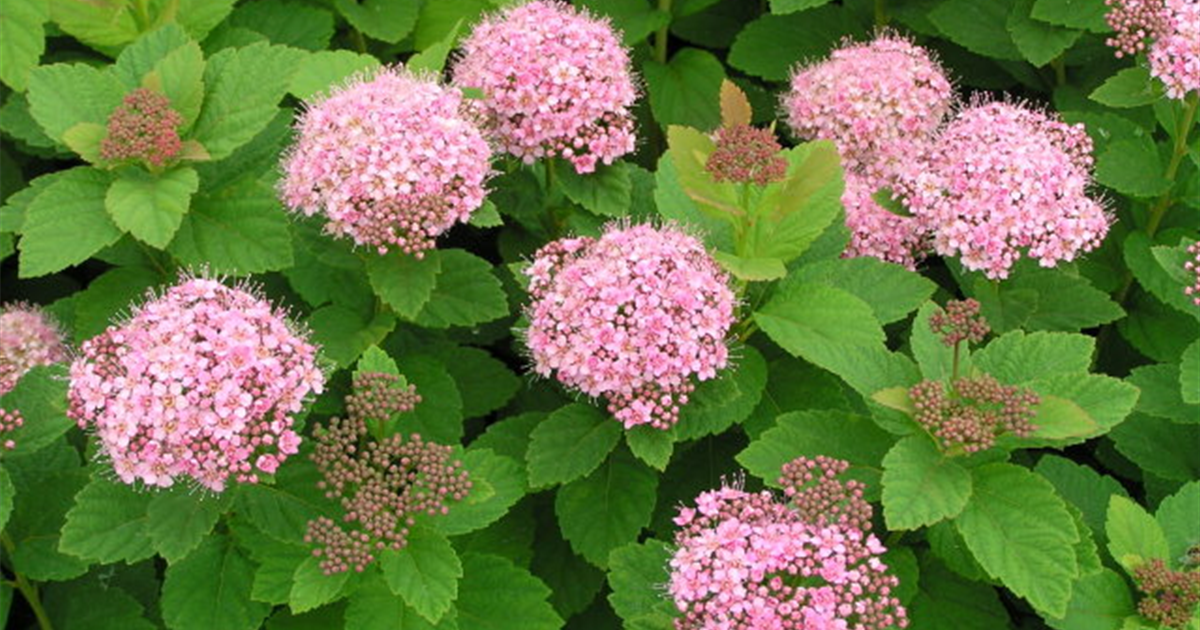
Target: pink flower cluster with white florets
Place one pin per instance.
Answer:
(556, 83)
(1172, 28)
(28, 338)
(201, 382)
(631, 316)
(1006, 177)
(389, 159)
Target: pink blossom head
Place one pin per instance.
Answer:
(28, 338)
(880, 102)
(1008, 181)
(556, 83)
(1169, 31)
(143, 128)
(632, 316)
(748, 560)
(200, 382)
(389, 159)
(877, 231)
(1192, 266)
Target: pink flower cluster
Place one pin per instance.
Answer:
(746, 155)
(390, 160)
(1172, 28)
(878, 232)
(631, 316)
(556, 83)
(28, 338)
(143, 127)
(746, 561)
(1193, 267)
(10, 421)
(1007, 177)
(200, 382)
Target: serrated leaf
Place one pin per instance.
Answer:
(312, 588)
(495, 594)
(41, 397)
(1064, 302)
(1085, 14)
(1039, 42)
(425, 573)
(282, 511)
(921, 486)
(1177, 516)
(636, 574)
(978, 26)
(948, 601)
(385, 20)
(438, 417)
(323, 71)
(151, 207)
(719, 403)
(608, 508)
(1131, 87)
(404, 282)
(289, 23)
(890, 290)
(935, 358)
(180, 76)
(344, 333)
(573, 582)
(1134, 536)
(210, 588)
(372, 606)
(465, 293)
(244, 88)
(818, 322)
(45, 490)
(1082, 487)
(686, 90)
(1132, 166)
(485, 382)
(1021, 532)
(1018, 358)
(1160, 446)
(64, 95)
(651, 445)
(605, 192)
(108, 523)
(95, 605)
(735, 107)
(178, 520)
(771, 45)
(570, 443)
(23, 38)
(85, 139)
(1159, 269)
(277, 562)
(66, 223)
(239, 229)
(791, 214)
(1100, 601)
(497, 482)
(433, 57)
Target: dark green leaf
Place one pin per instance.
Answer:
(608, 508)
(569, 444)
(210, 588)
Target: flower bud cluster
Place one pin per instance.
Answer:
(28, 338)
(377, 396)
(631, 316)
(974, 412)
(820, 497)
(746, 155)
(389, 159)
(200, 382)
(556, 82)
(144, 128)
(1169, 597)
(1169, 31)
(748, 561)
(959, 321)
(1193, 267)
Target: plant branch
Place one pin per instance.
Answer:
(661, 35)
(27, 588)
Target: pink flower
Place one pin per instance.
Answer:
(631, 316)
(556, 83)
(1172, 28)
(389, 159)
(878, 232)
(28, 338)
(186, 387)
(143, 128)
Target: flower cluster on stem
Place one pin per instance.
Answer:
(974, 412)
(746, 155)
(143, 128)
(1169, 597)
(1168, 31)
(28, 338)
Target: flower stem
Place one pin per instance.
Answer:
(954, 368)
(660, 36)
(27, 588)
(360, 42)
(881, 16)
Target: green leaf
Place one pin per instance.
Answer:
(41, 397)
(178, 520)
(1004, 309)
(495, 594)
(486, 383)
(1132, 166)
(100, 25)
(288, 23)
(1084, 14)
(573, 582)
(685, 91)
(66, 224)
(780, 7)
(404, 282)
(606, 192)
(1177, 516)
(1131, 87)
(837, 434)
(771, 45)
(890, 290)
(425, 573)
(1082, 487)
(373, 607)
(1159, 269)
(1021, 532)
(6, 497)
(1160, 446)
(634, 20)
(385, 20)
(311, 588)
(24, 39)
(792, 214)
(1100, 601)
(921, 486)
(935, 358)
(636, 574)
(1039, 42)
(282, 511)
(977, 25)
(180, 76)
(210, 588)
(45, 489)
(239, 229)
(85, 139)
(151, 207)
(1018, 358)
(465, 293)
(344, 333)
(140, 58)
(108, 523)
(719, 403)
(277, 562)
(321, 72)
(198, 17)
(64, 95)
(497, 483)
(608, 508)
(751, 269)
(569, 444)
(1133, 535)
(244, 88)
(1064, 302)
(439, 415)
(94, 604)
(651, 445)
(433, 58)
(818, 322)
(947, 601)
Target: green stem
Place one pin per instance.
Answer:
(360, 42)
(141, 15)
(954, 369)
(660, 36)
(28, 589)
(881, 16)
(1060, 71)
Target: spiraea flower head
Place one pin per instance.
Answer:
(959, 321)
(1193, 267)
(746, 155)
(556, 83)
(749, 561)
(632, 316)
(201, 382)
(143, 128)
(1007, 181)
(28, 338)
(391, 160)
(880, 102)
(974, 412)
(878, 232)
(1169, 597)
(1168, 31)
(381, 485)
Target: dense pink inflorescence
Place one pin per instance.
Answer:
(143, 127)
(201, 382)
(389, 159)
(1193, 267)
(631, 316)
(1169, 30)
(747, 561)
(556, 83)
(1006, 178)
(876, 231)
(28, 338)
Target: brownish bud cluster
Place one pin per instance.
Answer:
(819, 495)
(746, 155)
(378, 396)
(959, 321)
(1168, 597)
(143, 127)
(974, 412)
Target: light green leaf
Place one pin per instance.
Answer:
(1100, 601)
(151, 207)
(791, 214)
(569, 444)
(634, 20)
(1018, 358)
(1082, 487)
(277, 562)
(108, 523)
(1159, 269)
(465, 293)
(1131, 87)
(239, 229)
(180, 76)
(311, 588)
(404, 282)
(497, 483)
(85, 139)
(1134, 536)
(244, 88)
(890, 290)
(608, 508)
(22, 39)
(1039, 42)
(198, 17)
(1021, 532)
(495, 594)
(425, 573)
(751, 269)
(178, 520)
(606, 192)
(139, 58)
(685, 91)
(66, 224)
(1177, 517)
(921, 486)
(323, 71)
(102, 25)
(818, 322)
(771, 45)
(64, 95)
(210, 588)
(636, 574)
(385, 20)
